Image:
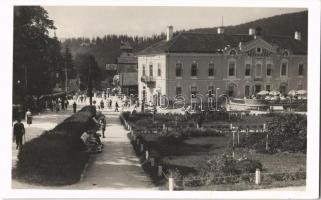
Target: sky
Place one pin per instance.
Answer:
(93, 21)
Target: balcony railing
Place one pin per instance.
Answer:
(149, 80)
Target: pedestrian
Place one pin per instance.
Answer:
(28, 117)
(110, 103)
(103, 125)
(18, 133)
(102, 104)
(66, 103)
(74, 106)
(116, 107)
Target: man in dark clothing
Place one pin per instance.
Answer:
(18, 132)
(103, 125)
(74, 106)
(116, 107)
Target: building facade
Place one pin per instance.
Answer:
(127, 70)
(205, 65)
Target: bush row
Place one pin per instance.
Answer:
(57, 157)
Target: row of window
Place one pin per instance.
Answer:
(256, 88)
(231, 70)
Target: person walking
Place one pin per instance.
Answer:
(116, 107)
(28, 117)
(18, 133)
(103, 125)
(102, 104)
(74, 106)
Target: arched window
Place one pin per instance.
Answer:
(232, 52)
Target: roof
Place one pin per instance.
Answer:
(189, 42)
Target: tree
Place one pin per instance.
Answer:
(86, 66)
(35, 54)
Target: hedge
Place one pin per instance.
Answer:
(56, 157)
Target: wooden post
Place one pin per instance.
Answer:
(197, 126)
(238, 138)
(233, 137)
(264, 127)
(171, 182)
(257, 176)
(231, 126)
(160, 171)
(164, 127)
(267, 142)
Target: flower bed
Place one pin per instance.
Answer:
(57, 156)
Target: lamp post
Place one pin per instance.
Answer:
(216, 98)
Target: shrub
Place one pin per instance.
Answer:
(56, 157)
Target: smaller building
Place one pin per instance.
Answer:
(127, 70)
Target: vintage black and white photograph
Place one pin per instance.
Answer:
(159, 98)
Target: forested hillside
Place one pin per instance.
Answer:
(107, 49)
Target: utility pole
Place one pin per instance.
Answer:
(90, 84)
(66, 77)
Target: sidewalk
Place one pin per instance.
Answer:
(117, 167)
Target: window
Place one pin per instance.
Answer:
(258, 50)
(210, 90)
(258, 70)
(268, 88)
(285, 53)
(284, 67)
(231, 68)
(232, 53)
(143, 70)
(159, 70)
(247, 90)
(300, 86)
(178, 91)
(211, 69)
(268, 69)
(194, 70)
(248, 70)
(301, 69)
(150, 70)
(178, 69)
(193, 91)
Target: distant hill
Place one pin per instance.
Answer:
(107, 49)
(285, 24)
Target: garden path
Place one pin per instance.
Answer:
(117, 167)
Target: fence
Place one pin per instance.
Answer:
(160, 172)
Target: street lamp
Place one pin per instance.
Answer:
(216, 98)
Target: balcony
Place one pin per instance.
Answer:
(149, 80)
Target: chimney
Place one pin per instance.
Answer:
(251, 31)
(169, 33)
(220, 30)
(297, 35)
